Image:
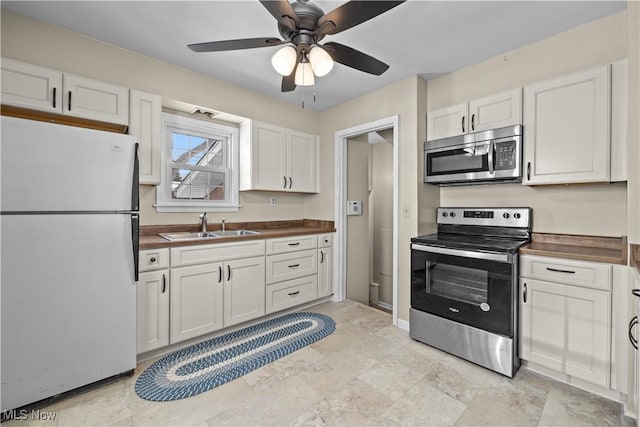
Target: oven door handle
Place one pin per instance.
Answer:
(466, 254)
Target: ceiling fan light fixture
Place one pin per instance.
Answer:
(320, 60)
(284, 60)
(304, 73)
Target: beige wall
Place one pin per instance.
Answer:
(581, 209)
(358, 238)
(54, 47)
(633, 129)
(428, 195)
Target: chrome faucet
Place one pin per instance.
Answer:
(203, 220)
(223, 221)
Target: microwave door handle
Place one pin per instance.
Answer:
(491, 157)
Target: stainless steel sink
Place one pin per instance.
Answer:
(228, 233)
(187, 236)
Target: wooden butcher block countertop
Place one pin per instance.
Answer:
(612, 250)
(149, 238)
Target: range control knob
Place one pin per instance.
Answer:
(517, 215)
(506, 215)
(444, 214)
(452, 214)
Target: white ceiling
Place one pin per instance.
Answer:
(429, 38)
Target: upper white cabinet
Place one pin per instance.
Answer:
(145, 123)
(273, 158)
(566, 129)
(39, 88)
(30, 86)
(490, 112)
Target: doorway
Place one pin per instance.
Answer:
(389, 124)
(370, 219)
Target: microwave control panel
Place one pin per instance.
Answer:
(506, 153)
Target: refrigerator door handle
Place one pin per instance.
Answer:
(135, 238)
(135, 186)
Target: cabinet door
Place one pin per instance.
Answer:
(244, 290)
(95, 100)
(268, 161)
(145, 123)
(566, 328)
(302, 162)
(566, 129)
(29, 86)
(448, 121)
(325, 270)
(152, 311)
(496, 111)
(196, 301)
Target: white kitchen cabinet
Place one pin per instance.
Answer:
(152, 301)
(283, 245)
(244, 290)
(291, 265)
(152, 293)
(490, 112)
(565, 317)
(273, 158)
(567, 129)
(28, 86)
(283, 295)
(145, 123)
(196, 300)
(325, 265)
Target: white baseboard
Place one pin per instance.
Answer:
(403, 324)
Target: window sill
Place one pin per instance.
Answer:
(194, 207)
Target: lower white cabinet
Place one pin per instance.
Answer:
(566, 328)
(152, 293)
(196, 300)
(325, 265)
(244, 290)
(291, 293)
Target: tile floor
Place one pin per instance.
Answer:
(367, 373)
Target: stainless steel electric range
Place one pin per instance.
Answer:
(464, 285)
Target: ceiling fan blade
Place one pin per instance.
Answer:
(355, 59)
(282, 11)
(235, 44)
(289, 82)
(351, 14)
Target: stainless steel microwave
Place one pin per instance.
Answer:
(486, 157)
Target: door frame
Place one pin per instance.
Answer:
(340, 203)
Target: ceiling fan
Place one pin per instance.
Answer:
(302, 25)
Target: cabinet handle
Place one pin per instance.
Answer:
(54, 97)
(69, 105)
(219, 273)
(285, 182)
(152, 259)
(321, 257)
(632, 339)
(556, 270)
(294, 244)
(473, 120)
(636, 292)
(294, 265)
(524, 294)
(462, 124)
(528, 171)
(228, 272)
(164, 283)
(290, 183)
(293, 293)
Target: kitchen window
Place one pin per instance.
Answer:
(200, 166)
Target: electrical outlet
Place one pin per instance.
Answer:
(273, 201)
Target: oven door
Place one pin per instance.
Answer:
(474, 288)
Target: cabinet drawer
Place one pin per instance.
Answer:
(325, 240)
(154, 259)
(192, 255)
(292, 265)
(291, 244)
(291, 293)
(582, 273)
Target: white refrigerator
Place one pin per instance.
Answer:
(68, 258)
